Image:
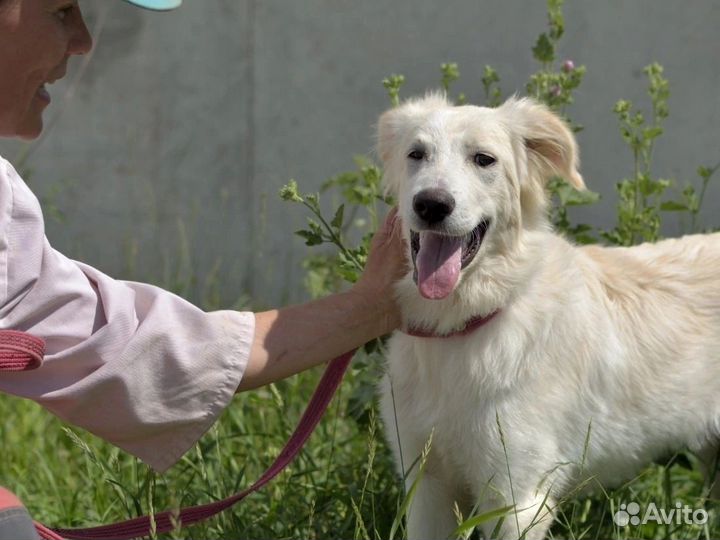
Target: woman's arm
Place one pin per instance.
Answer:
(295, 338)
(141, 367)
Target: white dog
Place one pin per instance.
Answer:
(592, 361)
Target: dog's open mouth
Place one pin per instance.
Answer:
(438, 259)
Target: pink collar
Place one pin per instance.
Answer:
(470, 326)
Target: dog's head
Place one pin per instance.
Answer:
(469, 180)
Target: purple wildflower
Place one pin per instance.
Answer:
(568, 66)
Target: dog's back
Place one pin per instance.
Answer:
(674, 274)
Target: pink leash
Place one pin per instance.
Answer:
(20, 351)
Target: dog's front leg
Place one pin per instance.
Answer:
(431, 514)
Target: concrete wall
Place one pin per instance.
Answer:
(164, 157)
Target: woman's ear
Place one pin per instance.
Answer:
(551, 146)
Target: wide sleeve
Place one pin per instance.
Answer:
(132, 363)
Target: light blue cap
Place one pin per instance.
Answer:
(157, 5)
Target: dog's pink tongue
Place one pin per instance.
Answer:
(438, 264)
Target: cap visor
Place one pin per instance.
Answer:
(156, 5)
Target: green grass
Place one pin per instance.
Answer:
(69, 478)
(342, 485)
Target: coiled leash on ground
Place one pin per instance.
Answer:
(20, 351)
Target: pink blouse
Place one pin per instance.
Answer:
(132, 363)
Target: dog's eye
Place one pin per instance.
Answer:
(417, 155)
(483, 159)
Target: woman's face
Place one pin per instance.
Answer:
(37, 37)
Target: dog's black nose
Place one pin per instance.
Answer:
(433, 205)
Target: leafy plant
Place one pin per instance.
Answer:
(361, 191)
(639, 205)
(491, 86)
(553, 86)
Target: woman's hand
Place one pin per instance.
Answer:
(386, 265)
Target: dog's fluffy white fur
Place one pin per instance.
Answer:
(599, 360)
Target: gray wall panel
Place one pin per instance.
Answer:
(197, 117)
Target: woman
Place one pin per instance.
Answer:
(130, 362)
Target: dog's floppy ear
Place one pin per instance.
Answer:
(551, 147)
(392, 127)
(388, 131)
